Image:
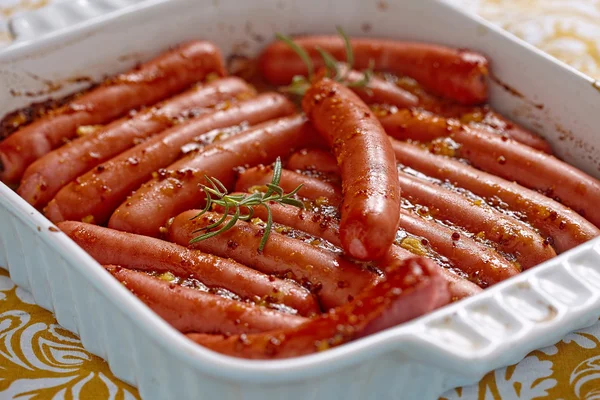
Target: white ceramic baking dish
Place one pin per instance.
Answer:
(453, 346)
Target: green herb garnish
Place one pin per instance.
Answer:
(228, 201)
(301, 83)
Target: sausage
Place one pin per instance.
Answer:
(371, 193)
(334, 279)
(155, 80)
(377, 90)
(95, 195)
(191, 310)
(512, 236)
(313, 160)
(482, 264)
(412, 289)
(312, 188)
(481, 117)
(565, 228)
(513, 161)
(509, 234)
(533, 169)
(424, 126)
(149, 208)
(454, 73)
(47, 175)
(108, 246)
(326, 228)
(497, 123)
(419, 125)
(479, 262)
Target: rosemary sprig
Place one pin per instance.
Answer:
(249, 201)
(301, 83)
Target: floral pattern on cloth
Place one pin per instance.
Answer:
(40, 360)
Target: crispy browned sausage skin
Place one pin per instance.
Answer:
(47, 175)
(99, 192)
(155, 80)
(191, 310)
(411, 289)
(334, 279)
(565, 227)
(371, 193)
(149, 208)
(108, 246)
(453, 73)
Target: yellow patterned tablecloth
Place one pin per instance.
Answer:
(40, 360)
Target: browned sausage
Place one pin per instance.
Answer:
(191, 310)
(533, 169)
(95, 195)
(497, 123)
(47, 175)
(481, 263)
(566, 228)
(371, 193)
(334, 279)
(377, 90)
(313, 160)
(482, 116)
(424, 126)
(513, 161)
(509, 234)
(326, 228)
(412, 289)
(312, 188)
(149, 208)
(454, 73)
(108, 246)
(155, 80)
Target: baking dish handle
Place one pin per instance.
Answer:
(487, 332)
(55, 17)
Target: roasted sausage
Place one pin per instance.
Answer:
(454, 73)
(313, 160)
(108, 246)
(155, 80)
(481, 263)
(565, 228)
(47, 175)
(533, 169)
(149, 208)
(334, 279)
(412, 289)
(191, 310)
(371, 193)
(95, 195)
(424, 126)
(509, 234)
(326, 228)
(376, 90)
